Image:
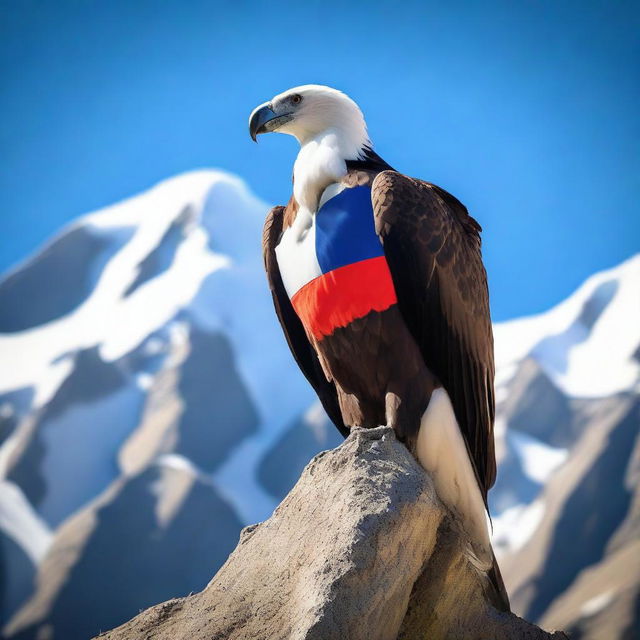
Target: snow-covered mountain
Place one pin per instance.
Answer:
(149, 408)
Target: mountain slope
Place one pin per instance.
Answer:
(569, 418)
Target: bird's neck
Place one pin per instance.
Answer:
(322, 160)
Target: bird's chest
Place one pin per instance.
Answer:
(333, 266)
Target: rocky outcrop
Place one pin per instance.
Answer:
(360, 548)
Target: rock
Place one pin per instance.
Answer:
(360, 548)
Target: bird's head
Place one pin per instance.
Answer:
(310, 111)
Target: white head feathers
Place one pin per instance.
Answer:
(322, 110)
(330, 128)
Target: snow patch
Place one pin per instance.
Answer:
(595, 330)
(109, 318)
(538, 459)
(21, 523)
(597, 603)
(144, 381)
(316, 419)
(154, 346)
(515, 526)
(180, 463)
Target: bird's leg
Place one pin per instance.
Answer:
(401, 427)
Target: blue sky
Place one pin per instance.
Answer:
(527, 111)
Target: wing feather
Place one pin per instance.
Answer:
(432, 246)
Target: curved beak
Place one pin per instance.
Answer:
(263, 120)
(258, 119)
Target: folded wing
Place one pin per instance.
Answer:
(432, 246)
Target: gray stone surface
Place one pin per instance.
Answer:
(361, 549)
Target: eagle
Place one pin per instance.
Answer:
(378, 282)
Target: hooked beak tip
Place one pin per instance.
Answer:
(258, 119)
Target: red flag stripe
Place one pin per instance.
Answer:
(337, 298)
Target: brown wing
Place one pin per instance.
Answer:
(301, 348)
(432, 246)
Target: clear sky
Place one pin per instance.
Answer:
(528, 111)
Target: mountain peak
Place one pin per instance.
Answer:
(593, 331)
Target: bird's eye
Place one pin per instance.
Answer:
(296, 98)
